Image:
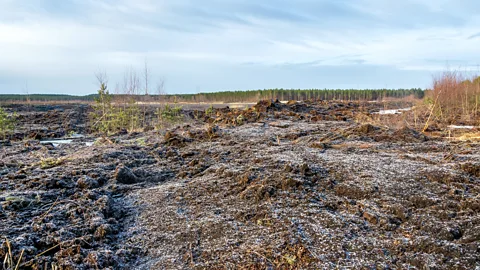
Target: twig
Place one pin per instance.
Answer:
(258, 254)
(19, 259)
(57, 245)
(191, 255)
(10, 260)
(49, 209)
(431, 111)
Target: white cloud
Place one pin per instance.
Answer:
(183, 37)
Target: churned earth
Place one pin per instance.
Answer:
(277, 186)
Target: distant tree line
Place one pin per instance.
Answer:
(45, 97)
(292, 94)
(241, 96)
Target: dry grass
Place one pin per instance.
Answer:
(9, 261)
(453, 100)
(456, 97)
(471, 136)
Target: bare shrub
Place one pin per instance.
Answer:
(456, 97)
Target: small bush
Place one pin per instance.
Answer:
(456, 97)
(108, 119)
(102, 111)
(169, 114)
(210, 110)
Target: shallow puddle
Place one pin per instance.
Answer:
(57, 142)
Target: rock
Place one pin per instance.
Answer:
(456, 233)
(124, 175)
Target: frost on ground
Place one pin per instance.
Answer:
(255, 198)
(284, 186)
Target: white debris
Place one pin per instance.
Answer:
(460, 127)
(393, 111)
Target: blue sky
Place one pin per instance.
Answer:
(194, 46)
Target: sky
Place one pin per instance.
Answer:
(56, 46)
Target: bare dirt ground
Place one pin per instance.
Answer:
(281, 186)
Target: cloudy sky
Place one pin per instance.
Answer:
(55, 46)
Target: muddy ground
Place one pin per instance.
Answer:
(282, 186)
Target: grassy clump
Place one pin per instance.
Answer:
(7, 123)
(48, 163)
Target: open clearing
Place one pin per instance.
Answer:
(288, 186)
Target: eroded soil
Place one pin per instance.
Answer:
(281, 186)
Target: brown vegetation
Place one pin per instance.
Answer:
(455, 98)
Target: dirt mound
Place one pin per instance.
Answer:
(366, 129)
(369, 132)
(406, 134)
(268, 105)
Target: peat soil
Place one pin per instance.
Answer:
(277, 186)
(48, 121)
